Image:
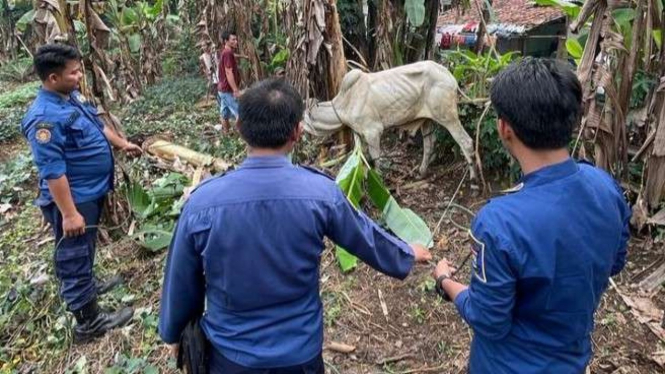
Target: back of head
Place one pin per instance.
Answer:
(269, 113)
(53, 58)
(541, 99)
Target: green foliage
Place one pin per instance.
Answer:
(10, 122)
(12, 109)
(575, 49)
(14, 174)
(571, 10)
(357, 180)
(473, 71)
(29, 301)
(147, 114)
(643, 83)
(19, 96)
(131, 365)
(182, 57)
(18, 70)
(415, 11)
(156, 209)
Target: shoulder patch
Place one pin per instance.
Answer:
(316, 171)
(43, 133)
(478, 264)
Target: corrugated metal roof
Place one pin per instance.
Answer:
(513, 12)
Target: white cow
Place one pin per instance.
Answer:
(406, 97)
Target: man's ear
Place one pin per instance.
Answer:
(52, 78)
(506, 131)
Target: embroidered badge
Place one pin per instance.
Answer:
(43, 135)
(478, 264)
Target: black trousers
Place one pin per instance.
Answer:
(75, 257)
(221, 365)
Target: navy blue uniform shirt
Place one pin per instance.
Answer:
(543, 257)
(67, 138)
(250, 243)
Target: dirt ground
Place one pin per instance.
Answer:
(394, 326)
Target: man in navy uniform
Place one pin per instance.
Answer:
(249, 243)
(543, 254)
(71, 148)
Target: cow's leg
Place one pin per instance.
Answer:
(442, 102)
(462, 138)
(427, 131)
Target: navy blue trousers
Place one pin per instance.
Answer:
(221, 365)
(74, 257)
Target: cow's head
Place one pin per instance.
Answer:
(319, 118)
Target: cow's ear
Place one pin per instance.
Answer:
(297, 133)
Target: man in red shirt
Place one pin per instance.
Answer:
(229, 80)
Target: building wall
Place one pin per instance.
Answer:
(545, 47)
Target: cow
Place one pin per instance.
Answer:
(405, 97)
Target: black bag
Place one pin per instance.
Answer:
(193, 350)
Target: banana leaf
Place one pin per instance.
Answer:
(406, 224)
(350, 179)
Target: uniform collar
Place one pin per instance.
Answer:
(254, 162)
(51, 96)
(550, 173)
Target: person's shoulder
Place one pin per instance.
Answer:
(597, 174)
(313, 173)
(210, 184)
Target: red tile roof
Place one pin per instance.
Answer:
(518, 12)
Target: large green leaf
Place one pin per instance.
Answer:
(346, 260)
(415, 11)
(572, 10)
(134, 41)
(406, 224)
(154, 239)
(574, 48)
(623, 16)
(24, 21)
(138, 198)
(376, 190)
(350, 180)
(658, 37)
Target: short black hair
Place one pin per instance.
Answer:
(269, 112)
(227, 34)
(541, 99)
(52, 58)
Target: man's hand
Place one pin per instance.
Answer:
(73, 225)
(173, 350)
(421, 253)
(443, 268)
(132, 149)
